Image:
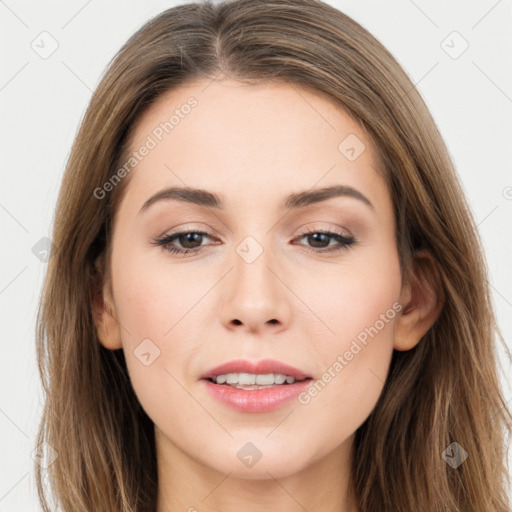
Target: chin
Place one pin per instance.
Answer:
(260, 461)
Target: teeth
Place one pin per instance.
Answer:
(265, 380)
(279, 379)
(249, 379)
(231, 378)
(246, 378)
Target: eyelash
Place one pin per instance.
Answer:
(344, 241)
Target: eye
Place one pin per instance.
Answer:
(190, 241)
(321, 239)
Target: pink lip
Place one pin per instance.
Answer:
(259, 367)
(256, 400)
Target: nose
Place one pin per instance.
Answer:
(255, 298)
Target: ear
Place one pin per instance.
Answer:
(105, 319)
(422, 299)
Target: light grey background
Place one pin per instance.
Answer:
(42, 101)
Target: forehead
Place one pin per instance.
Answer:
(244, 140)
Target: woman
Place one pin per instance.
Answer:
(267, 289)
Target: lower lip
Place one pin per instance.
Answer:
(256, 400)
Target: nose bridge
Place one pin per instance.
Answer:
(255, 296)
(253, 282)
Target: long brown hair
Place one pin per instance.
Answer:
(446, 389)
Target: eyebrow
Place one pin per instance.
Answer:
(295, 200)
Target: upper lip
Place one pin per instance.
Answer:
(264, 366)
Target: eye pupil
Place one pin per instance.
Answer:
(190, 238)
(319, 238)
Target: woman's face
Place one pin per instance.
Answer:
(260, 281)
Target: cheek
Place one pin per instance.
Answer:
(350, 299)
(162, 305)
(154, 296)
(156, 349)
(360, 305)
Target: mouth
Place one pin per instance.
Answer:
(255, 387)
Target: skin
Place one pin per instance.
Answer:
(254, 145)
